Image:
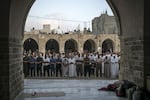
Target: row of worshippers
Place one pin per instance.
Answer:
(71, 65)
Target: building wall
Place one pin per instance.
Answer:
(46, 28)
(104, 24)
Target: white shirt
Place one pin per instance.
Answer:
(46, 60)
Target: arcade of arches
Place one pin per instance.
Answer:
(107, 45)
(72, 42)
(30, 44)
(51, 45)
(134, 37)
(90, 45)
(70, 46)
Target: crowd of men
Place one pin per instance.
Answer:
(71, 64)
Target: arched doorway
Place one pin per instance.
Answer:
(71, 46)
(13, 26)
(107, 46)
(52, 45)
(89, 46)
(30, 45)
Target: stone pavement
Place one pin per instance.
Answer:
(72, 89)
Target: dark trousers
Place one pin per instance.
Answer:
(99, 70)
(93, 66)
(52, 69)
(26, 69)
(79, 69)
(32, 71)
(39, 70)
(46, 69)
(58, 69)
(87, 69)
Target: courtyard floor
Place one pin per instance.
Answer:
(66, 89)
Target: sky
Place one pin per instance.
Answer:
(65, 14)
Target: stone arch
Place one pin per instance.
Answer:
(108, 45)
(89, 45)
(30, 45)
(33, 36)
(131, 18)
(52, 45)
(116, 14)
(71, 45)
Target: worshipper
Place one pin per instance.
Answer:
(102, 58)
(87, 66)
(118, 56)
(94, 57)
(39, 61)
(117, 66)
(26, 65)
(79, 65)
(32, 65)
(65, 64)
(46, 66)
(92, 63)
(72, 67)
(113, 67)
(52, 65)
(58, 65)
(99, 66)
(107, 67)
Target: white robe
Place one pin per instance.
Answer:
(65, 66)
(102, 58)
(114, 67)
(117, 65)
(72, 68)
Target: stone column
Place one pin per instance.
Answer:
(42, 43)
(11, 72)
(100, 44)
(61, 46)
(80, 43)
(132, 60)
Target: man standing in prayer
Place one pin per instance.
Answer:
(113, 68)
(79, 65)
(107, 67)
(65, 64)
(72, 66)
